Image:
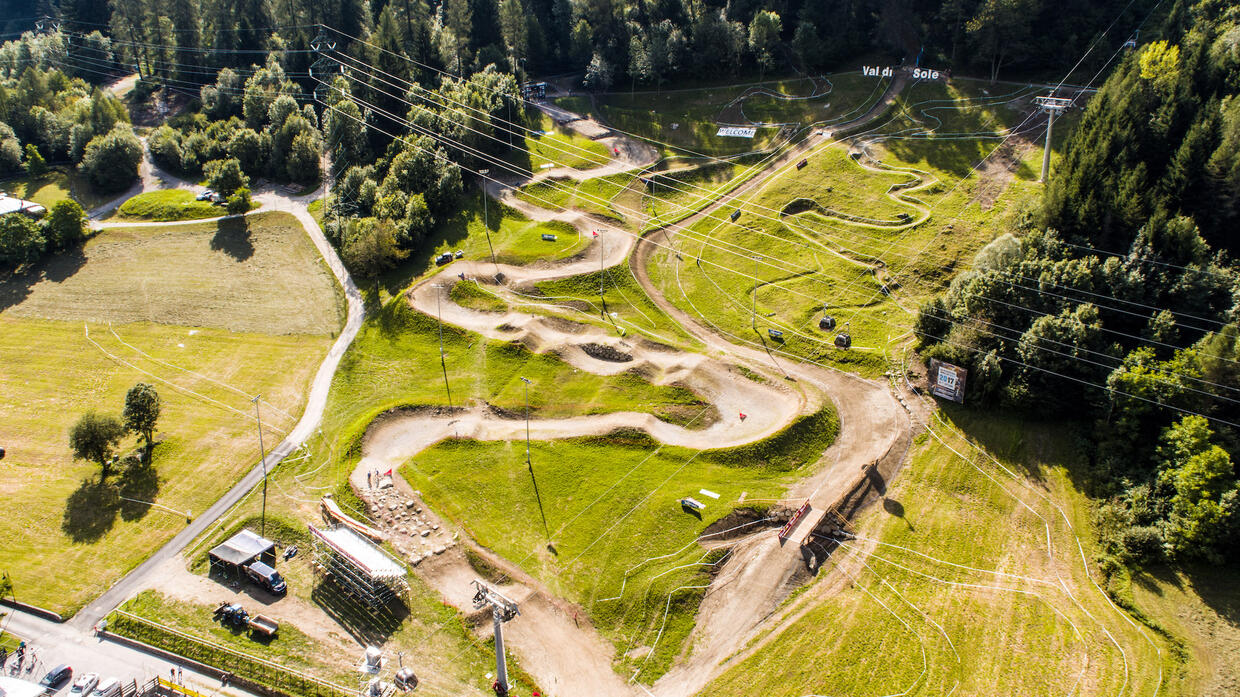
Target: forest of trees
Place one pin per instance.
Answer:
(609, 41)
(1118, 306)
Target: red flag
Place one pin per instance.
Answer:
(595, 232)
(387, 473)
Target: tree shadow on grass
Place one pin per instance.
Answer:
(91, 510)
(232, 237)
(15, 286)
(1022, 442)
(958, 157)
(138, 484)
(895, 508)
(1215, 585)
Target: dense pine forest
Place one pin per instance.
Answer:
(1118, 304)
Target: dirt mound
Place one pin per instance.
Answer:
(738, 523)
(603, 352)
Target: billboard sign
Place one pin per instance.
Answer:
(947, 380)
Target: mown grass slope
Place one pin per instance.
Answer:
(167, 205)
(966, 579)
(621, 544)
(865, 239)
(254, 274)
(68, 538)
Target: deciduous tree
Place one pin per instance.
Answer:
(111, 161)
(225, 176)
(21, 240)
(65, 224)
(142, 412)
(95, 437)
(764, 33)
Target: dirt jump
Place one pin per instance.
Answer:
(556, 644)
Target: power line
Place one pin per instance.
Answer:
(945, 340)
(500, 163)
(1041, 282)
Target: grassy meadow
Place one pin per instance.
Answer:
(210, 315)
(966, 578)
(867, 240)
(259, 274)
(68, 520)
(620, 543)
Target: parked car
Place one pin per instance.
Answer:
(266, 577)
(56, 677)
(110, 687)
(445, 258)
(84, 685)
(205, 195)
(460, 253)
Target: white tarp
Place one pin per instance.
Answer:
(361, 552)
(9, 204)
(737, 132)
(13, 687)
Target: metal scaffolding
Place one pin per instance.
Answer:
(360, 567)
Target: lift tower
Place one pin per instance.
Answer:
(502, 610)
(1052, 106)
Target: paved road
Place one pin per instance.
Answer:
(137, 579)
(55, 643)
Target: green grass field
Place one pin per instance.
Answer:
(258, 274)
(475, 296)
(477, 230)
(394, 362)
(207, 438)
(290, 648)
(57, 185)
(624, 307)
(45, 191)
(591, 195)
(949, 588)
(210, 315)
(167, 205)
(608, 519)
(671, 196)
(687, 120)
(1197, 607)
(820, 231)
(559, 146)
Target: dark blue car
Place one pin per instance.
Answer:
(56, 677)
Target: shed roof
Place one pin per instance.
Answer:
(243, 547)
(11, 204)
(14, 687)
